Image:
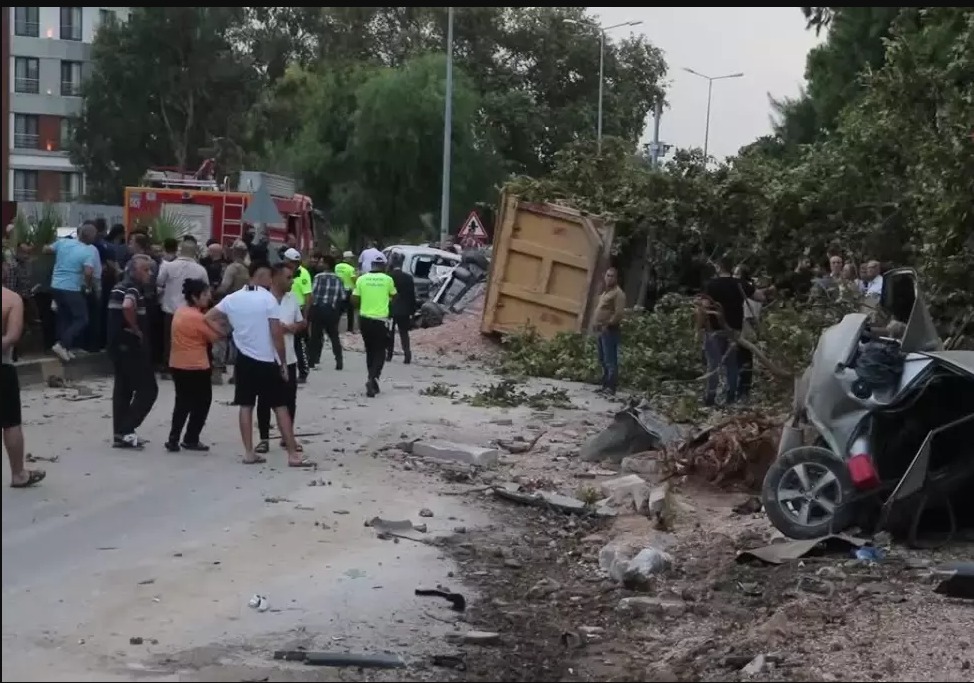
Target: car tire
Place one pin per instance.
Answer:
(783, 479)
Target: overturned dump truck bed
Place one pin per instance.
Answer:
(547, 264)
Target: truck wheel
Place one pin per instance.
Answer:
(807, 493)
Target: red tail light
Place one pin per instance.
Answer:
(863, 472)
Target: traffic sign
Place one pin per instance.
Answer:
(473, 228)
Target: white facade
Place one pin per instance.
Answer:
(50, 52)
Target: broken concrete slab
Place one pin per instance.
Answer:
(457, 452)
(545, 499)
(624, 483)
(646, 464)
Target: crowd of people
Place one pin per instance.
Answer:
(729, 308)
(185, 314)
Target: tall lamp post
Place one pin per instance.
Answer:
(602, 30)
(710, 93)
(447, 131)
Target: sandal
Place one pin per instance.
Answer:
(33, 477)
(302, 463)
(262, 446)
(256, 461)
(298, 447)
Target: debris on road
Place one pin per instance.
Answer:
(42, 458)
(425, 512)
(475, 638)
(457, 602)
(341, 659)
(734, 453)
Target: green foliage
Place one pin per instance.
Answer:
(163, 85)
(371, 143)
(45, 225)
(893, 181)
(506, 394)
(661, 355)
(167, 226)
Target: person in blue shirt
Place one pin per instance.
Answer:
(75, 263)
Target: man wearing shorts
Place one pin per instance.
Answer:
(261, 369)
(13, 433)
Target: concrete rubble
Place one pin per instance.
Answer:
(457, 452)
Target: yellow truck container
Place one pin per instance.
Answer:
(546, 268)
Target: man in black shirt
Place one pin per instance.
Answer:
(726, 297)
(401, 309)
(131, 353)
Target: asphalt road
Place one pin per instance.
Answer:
(169, 548)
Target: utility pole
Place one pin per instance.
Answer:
(654, 155)
(447, 132)
(655, 151)
(601, 30)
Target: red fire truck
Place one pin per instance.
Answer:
(212, 211)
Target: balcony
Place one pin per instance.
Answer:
(70, 88)
(29, 86)
(28, 29)
(26, 140)
(68, 196)
(22, 194)
(70, 32)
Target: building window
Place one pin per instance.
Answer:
(27, 21)
(25, 131)
(70, 186)
(106, 17)
(70, 23)
(27, 75)
(71, 79)
(25, 186)
(67, 133)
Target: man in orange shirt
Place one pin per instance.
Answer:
(189, 363)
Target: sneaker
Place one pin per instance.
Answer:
(172, 446)
(130, 441)
(61, 352)
(339, 365)
(369, 389)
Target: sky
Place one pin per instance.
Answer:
(767, 44)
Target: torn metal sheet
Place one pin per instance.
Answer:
(779, 553)
(635, 429)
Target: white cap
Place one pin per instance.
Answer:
(292, 254)
(348, 254)
(380, 258)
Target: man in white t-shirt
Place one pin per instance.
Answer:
(366, 258)
(292, 321)
(261, 368)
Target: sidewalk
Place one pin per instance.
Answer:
(39, 370)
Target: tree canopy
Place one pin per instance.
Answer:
(873, 159)
(350, 99)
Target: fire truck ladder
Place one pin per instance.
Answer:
(233, 211)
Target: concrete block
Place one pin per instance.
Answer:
(457, 452)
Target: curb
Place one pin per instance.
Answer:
(38, 371)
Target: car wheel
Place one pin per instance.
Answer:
(808, 493)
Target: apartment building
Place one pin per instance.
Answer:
(48, 50)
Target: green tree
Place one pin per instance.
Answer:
(370, 146)
(164, 84)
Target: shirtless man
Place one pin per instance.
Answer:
(13, 435)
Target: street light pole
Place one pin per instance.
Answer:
(602, 30)
(598, 127)
(710, 93)
(447, 132)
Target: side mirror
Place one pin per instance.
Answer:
(899, 293)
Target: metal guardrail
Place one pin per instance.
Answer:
(26, 140)
(70, 32)
(23, 195)
(70, 89)
(30, 86)
(28, 29)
